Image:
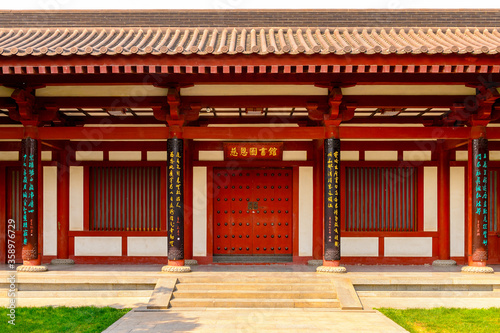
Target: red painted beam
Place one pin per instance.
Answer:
(103, 133)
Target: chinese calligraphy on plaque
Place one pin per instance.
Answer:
(253, 150)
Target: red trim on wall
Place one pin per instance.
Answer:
(295, 210)
(3, 215)
(163, 197)
(188, 200)
(86, 195)
(420, 200)
(210, 212)
(318, 200)
(381, 247)
(124, 246)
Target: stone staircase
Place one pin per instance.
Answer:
(261, 292)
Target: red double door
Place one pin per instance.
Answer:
(253, 211)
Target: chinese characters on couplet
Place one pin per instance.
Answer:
(29, 219)
(480, 198)
(175, 199)
(253, 150)
(332, 199)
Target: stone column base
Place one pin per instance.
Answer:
(331, 269)
(477, 269)
(190, 262)
(62, 262)
(37, 268)
(444, 263)
(176, 269)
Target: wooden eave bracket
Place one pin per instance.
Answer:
(25, 104)
(174, 101)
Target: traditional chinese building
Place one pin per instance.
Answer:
(360, 136)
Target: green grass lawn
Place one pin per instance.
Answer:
(60, 319)
(446, 320)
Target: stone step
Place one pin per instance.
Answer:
(82, 286)
(248, 294)
(256, 286)
(257, 279)
(403, 293)
(84, 293)
(253, 303)
(116, 302)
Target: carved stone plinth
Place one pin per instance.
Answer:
(176, 269)
(331, 269)
(190, 262)
(444, 263)
(62, 262)
(25, 268)
(477, 269)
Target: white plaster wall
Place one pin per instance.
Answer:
(349, 155)
(125, 155)
(46, 156)
(200, 211)
(157, 155)
(50, 211)
(305, 211)
(457, 211)
(417, 155)
(381, 155)
(98, 246)
(76, 198)
(89, 155)
(9, 156)
(211, 155)
(461, 155)
(408, 246)
(359, 247)
(147, 246)
(295, 155)
(430, 198)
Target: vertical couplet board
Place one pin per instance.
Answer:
(29, 155)
(175, 200)
(480, 199)
(332, 200)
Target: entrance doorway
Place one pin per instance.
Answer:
(253, 212)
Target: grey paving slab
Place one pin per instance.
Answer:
(254, 320)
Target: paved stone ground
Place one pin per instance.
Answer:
(254, 320)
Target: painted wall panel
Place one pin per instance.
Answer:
(381, 155)
(199, 211)
(461, 155)
(417, 155)
(46, 156)
(9, 156)
(50, 211)
(157, 155)
(89, 155)
(147, 246)
(305, 211)
(211, 155)
(457, 211)
(125, 155)
(408, 246)
(295, 155)
(494, 155)
(359, 247)
(76, 198)
(98, 246)
(349, 155)
(430, 198)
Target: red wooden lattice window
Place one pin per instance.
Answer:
(125, 199)
(381, 199)
(14, 200)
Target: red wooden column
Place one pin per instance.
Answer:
(444, 207)
(175, 202)
(477, 208)
(31, 198)
(331, 203)
(63, 207)
(318, 200)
